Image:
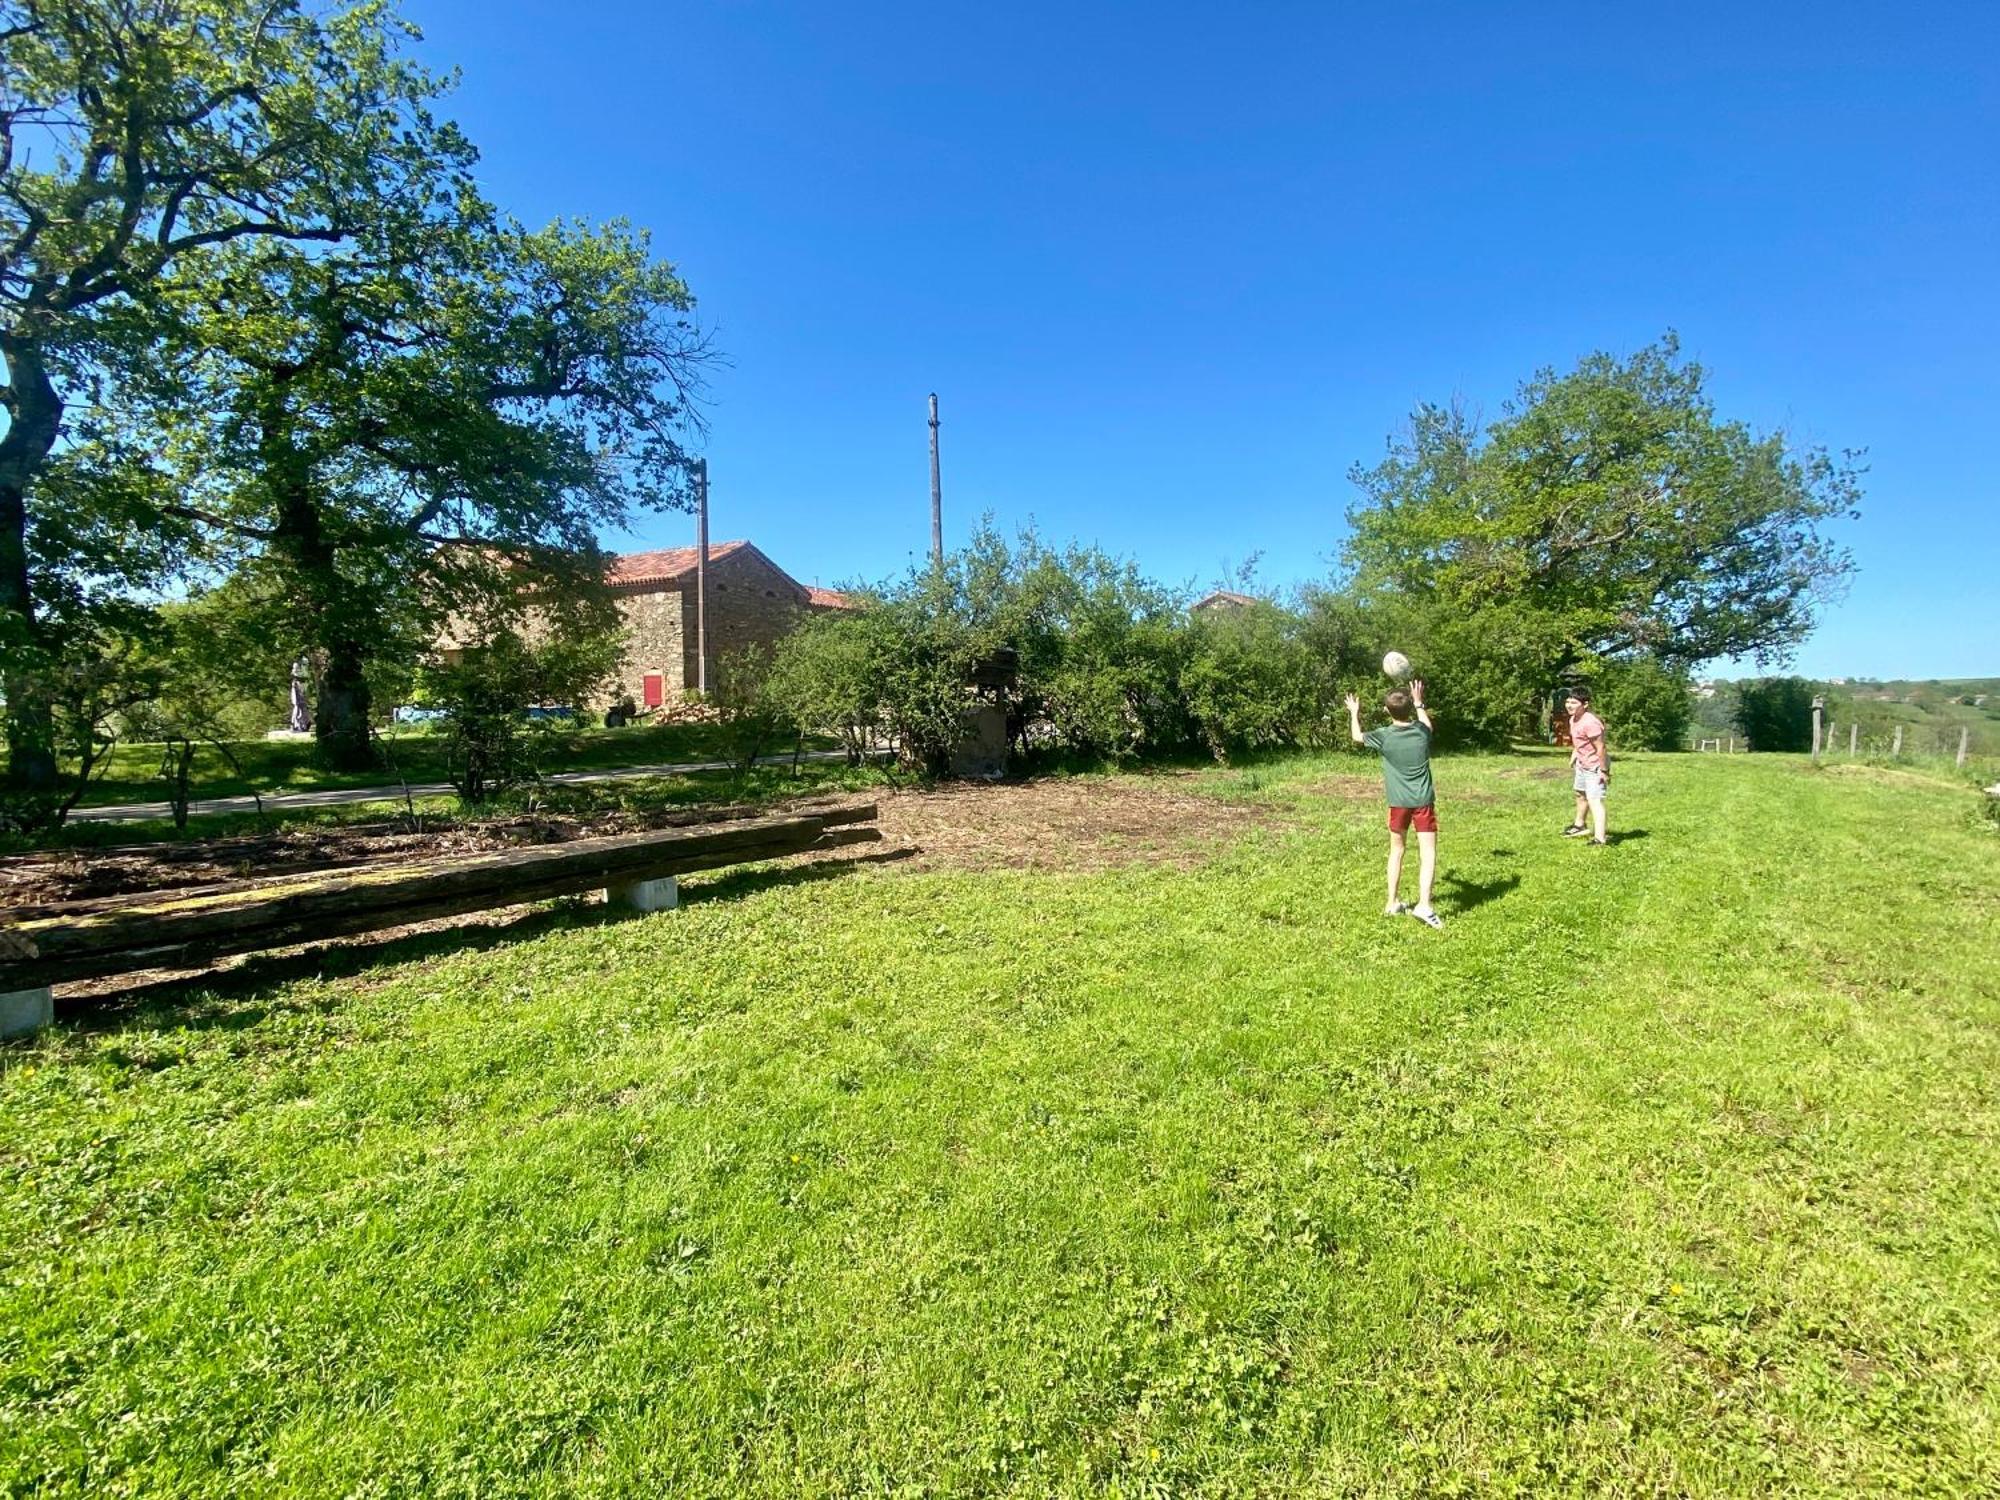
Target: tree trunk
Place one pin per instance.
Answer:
(178, 764)
(340, 718)
(340, 714)
(36, 418)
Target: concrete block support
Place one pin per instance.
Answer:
(24, 1011)
(646, 895)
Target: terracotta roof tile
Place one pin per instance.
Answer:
(667, 565)
(820, 598)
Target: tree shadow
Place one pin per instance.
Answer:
(1466, 894)
(740, 883)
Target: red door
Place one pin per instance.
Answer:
(656, 689)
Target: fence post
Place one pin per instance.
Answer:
(1732, 744)
(1853, 739)
(1896, 749)
(1964, 736)
(1819, 706)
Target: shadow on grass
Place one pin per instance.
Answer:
(215, 999)
(1466, 894)
(1624, 835)
(212, 999)
(740, 883)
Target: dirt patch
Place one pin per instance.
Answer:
(1082, 823)
(1057, 823)
(1066, 823)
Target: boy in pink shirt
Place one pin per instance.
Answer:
(1590, 765)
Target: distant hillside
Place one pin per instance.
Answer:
(1931, 711)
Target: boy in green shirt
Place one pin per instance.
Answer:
(1405, 746)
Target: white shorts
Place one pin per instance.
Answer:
(1590, 783)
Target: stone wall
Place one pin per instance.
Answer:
(749, 603)
(652, 644)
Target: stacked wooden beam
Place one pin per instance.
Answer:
(54, 944)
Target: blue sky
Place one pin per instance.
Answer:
(1173, 269)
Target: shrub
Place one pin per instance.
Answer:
(1487, 674)
(1775, 713)
(753, 717)
(1249, 680)
(490, 742)
(1101, 651)
(1645, 706)
(826, 677)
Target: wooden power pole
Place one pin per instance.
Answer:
(701, 575)
(937, 493)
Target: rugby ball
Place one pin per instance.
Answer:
(1396, 664)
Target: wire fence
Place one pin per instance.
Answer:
(1959, 747)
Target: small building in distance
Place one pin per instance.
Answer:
(1222, 599)
(751, 602)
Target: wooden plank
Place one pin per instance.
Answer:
(111, 934)
(200, 953)
(731, 817)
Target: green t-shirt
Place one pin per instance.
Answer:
(1406, 763)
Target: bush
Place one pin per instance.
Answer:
(1487, 674)
(755, 720)
(491, 743)
(1644, 705)
(1775, 713)
(826, 676)
(1101, 652)
(1250, 680)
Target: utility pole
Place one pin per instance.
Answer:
(937, 494)
(701, 575)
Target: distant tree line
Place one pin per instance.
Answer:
(1608, 528)
(1775, 713)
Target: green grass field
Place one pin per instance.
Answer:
(1668, 1168)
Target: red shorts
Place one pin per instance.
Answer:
(1423, 819)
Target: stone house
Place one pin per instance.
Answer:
(751, 602)
(1221, 599)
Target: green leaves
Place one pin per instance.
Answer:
(141, 141)
(1612, 502)
(247, 280)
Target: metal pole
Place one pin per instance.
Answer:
(701, 575)
(1819, 707)
(937, 493)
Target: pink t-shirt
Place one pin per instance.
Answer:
(1586, 735)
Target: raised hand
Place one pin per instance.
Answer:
(1353, 703)
(1417, 691)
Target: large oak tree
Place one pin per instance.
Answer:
(1608, 512)
(437, 426)
(137, 136)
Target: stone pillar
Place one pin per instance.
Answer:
(646, 895)
(25, 1011)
